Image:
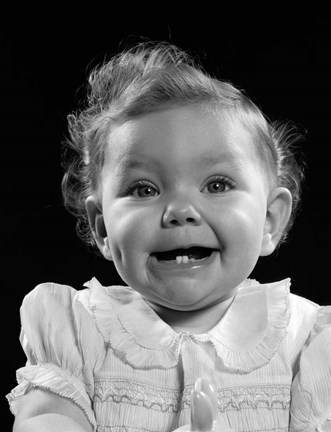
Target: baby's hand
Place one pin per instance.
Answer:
(203, 410)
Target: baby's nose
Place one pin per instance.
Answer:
(180, 213)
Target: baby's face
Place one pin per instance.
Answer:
(184, 204)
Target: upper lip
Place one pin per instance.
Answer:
(183, 246)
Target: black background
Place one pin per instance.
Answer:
(283, 62)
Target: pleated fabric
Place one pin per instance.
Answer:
(105, 349)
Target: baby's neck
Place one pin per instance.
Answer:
(193, 322)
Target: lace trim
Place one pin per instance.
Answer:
(156, 398)
(52, 378)
(262, 351)
(121, 340)
(154, 344)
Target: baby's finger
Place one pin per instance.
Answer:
(203, 385)
(202, 413)
(204, 408)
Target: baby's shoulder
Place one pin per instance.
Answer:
(311, 388)
(303, 313)
(302, 309)
(51, 292)
(49, 298)
(307, 317)
(302, 306)
(51, 302)
(52, 315)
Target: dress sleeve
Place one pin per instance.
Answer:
(311, 389)
(61, 345)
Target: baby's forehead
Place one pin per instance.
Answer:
(205, 134)
(186, 117)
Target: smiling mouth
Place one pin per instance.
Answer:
(184, 256)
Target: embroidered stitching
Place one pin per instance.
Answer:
(135, 393)
(172, 400)
(270, 397)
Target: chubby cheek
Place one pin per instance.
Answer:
(128, 236)
(241, 234)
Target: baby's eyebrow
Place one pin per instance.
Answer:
(127, 163)
(218, 158)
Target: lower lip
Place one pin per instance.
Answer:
(191, 265)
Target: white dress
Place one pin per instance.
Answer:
(105, 349)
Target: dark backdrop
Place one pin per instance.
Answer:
(281, 60)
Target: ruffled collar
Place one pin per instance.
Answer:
(246, 338)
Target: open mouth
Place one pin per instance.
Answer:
(184, 256)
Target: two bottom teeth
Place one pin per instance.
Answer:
(184, 255)
(184, 259)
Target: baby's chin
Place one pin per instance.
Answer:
(196, 319)
(185, 307)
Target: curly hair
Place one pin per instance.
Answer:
(151, 77)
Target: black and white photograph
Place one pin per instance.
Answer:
(166, 223)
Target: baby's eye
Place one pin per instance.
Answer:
(219, 185)
(143, 190)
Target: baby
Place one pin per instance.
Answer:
(180, 180)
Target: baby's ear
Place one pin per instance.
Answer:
(97, 225)
(278, 214)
